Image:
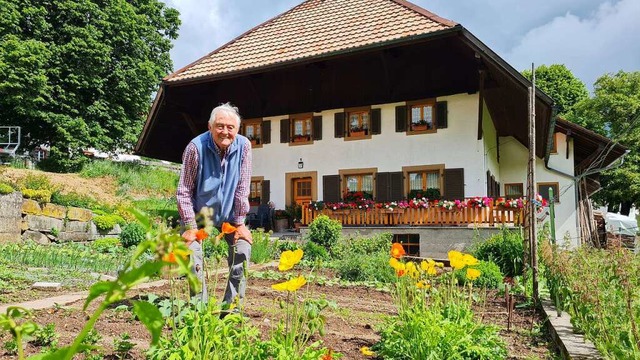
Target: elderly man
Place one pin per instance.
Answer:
(216, 173)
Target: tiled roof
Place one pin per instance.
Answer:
(315, 28)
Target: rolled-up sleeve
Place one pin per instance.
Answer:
(241, 197)
(186, 186)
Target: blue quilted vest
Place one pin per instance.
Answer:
(216, 182)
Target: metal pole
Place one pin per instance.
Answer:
(533, 255)
(552, 216)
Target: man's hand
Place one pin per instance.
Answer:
(242, 233)
(189, 236)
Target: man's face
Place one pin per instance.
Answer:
(224, 130)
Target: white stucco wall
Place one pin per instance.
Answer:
(456, 147)
(490, 143)
(513, 169)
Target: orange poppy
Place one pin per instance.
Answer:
(397, 251)
(201, 235)
(328, 355)
(226, 229)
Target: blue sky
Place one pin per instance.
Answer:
(590, 37)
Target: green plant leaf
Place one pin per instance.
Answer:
(98, 289)
(150, 317)
(138, 275)
(62, 353)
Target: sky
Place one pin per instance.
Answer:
(590, 37)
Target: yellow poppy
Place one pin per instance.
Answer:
(412, 270)
(289, 259)
(366, 351)
(456, 259)
(394, 263)
(472, 274)
(171, 257)
(423, 285)
(397, 251)
(429, 266)
(469, 260)
(291, 285)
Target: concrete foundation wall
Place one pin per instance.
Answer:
(10, 217)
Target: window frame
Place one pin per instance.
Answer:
(554, 143)
(556, 190)
(344, 173)
(255, 180)
(347, 123)
(408, 170)
(520, 185)
(305, 117)
(257, 124)
(423, 102)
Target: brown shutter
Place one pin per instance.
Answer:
(454, 184)
(395, 187)
(389, 186)
(382, 186)
(488, 180)
(266, 192)
(266, 132)
(401, 118)
(317, 127)
(441, 114)
(339, 124)
(284, 130)
(331, 188)
(376, 121)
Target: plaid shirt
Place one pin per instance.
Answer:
(187, 184)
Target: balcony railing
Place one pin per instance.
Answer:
(431, 216)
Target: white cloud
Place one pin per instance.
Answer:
(604, 41)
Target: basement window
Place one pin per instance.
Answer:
(410, 243)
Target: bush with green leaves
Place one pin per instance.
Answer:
(5, 189)
(313, 252)
(132, 234)
(490, 275)
(505, 249)
(76, 200)
(108, 245)
(37, 182)
(262, 249)
(324, 231)
(364, 258)
(41, 196)
(107, 222)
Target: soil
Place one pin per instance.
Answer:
(348, 328)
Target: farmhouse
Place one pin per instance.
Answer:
(386, 99)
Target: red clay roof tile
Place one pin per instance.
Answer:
(312, 29)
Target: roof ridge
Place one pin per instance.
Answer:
(184, 68)
(433, 16)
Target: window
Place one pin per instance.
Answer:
(543, 190)
(422, 116)
(410, 243)
(301, 128)
(423, 181)
(255, 194)
(357, 184)
(554, 143)
(359, 123)
(513, 191)
(252, 130)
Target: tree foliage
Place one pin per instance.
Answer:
(561, 85)
(80, 73)
(614, 111)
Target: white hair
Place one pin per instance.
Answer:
(226, 108)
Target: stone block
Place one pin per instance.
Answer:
(73, 236)
(11, 204)
(24, 225)
(79, 214)
(44, 223)
(54, 211)
(77, 226)
(10, 225)
(31, 207)
(9, 238)
(36, 236)
(48, 286)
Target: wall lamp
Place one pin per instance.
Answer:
(300, 164)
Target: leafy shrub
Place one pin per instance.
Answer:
(107, 245)
(347, 247)
(313, 251)
(37, 182)
(285, 245)
(263, 249)
(132, 234)
(366, 267)
(505, 249)
(76, 200)
(107, 222)
(45, 336)
(41, 196)
(490, 275)
(5, 189)
(220, 250)
(325, 231)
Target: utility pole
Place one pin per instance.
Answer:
(531, 190)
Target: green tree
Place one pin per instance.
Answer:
(80, 73)
(614, 111)
(561, 85)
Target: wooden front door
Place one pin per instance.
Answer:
(302, 190)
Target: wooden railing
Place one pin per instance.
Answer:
(432, 216)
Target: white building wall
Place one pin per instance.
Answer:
(490, 142)
(456, 147)
(513, 169)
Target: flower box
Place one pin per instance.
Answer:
(300, 139)
(416, 127)
(254, 142)
(357, 133)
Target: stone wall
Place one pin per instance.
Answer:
(24, 219)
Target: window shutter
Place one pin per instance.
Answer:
(441, 114)
(266, 132)
(317, 127)
(339, 124)
(395, 186)
(376, 121)
(489, 184)
(284, 130)
(266, 192)
(401, 118)
(331, 188)
(454, 184)
(382, 186)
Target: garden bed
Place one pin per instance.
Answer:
(349, 327)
